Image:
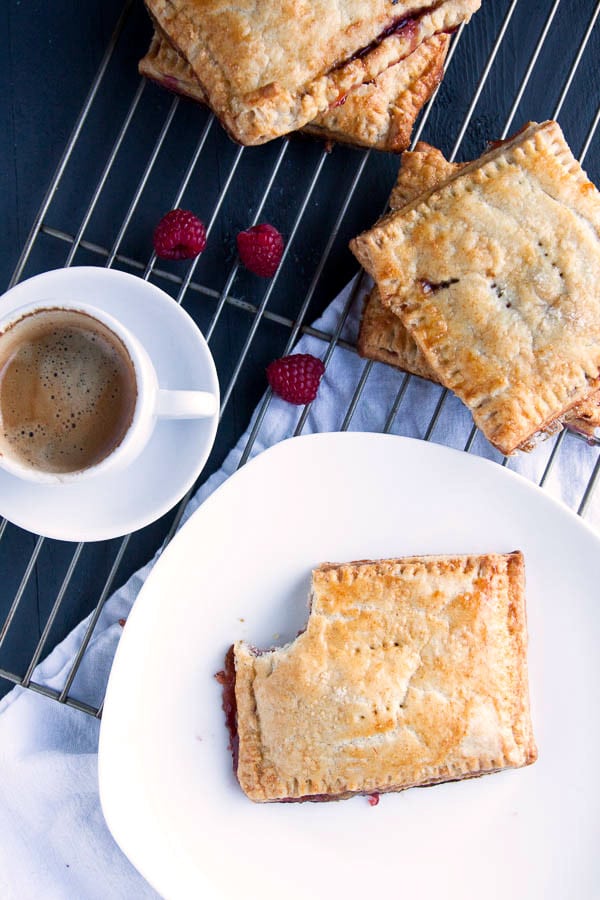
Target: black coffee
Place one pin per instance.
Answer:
(67, 391)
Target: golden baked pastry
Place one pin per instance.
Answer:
(270, 68)
(165, 65)
(410, 672)
(382, 336)
(421, 170)
(494, 273)
(380, 114)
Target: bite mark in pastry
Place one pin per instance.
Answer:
(410, 672)
(379, 114)
(269, 68)
(495, 275)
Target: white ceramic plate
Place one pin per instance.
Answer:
(123, 501)
(240, 569)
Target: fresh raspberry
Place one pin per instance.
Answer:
(296, 378)
(179, 235)
(260, 249)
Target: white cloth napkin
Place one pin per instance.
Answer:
(54, 843)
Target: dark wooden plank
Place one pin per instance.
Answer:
(51, 54)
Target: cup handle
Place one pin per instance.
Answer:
(185, 404)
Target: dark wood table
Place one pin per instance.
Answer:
(512, 64)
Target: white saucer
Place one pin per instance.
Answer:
(116, 504)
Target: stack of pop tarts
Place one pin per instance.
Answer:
(352, 71)
(487, 281)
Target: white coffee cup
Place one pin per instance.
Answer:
(152, 402)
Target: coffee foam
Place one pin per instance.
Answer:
(67, 391)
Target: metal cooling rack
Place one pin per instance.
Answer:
(222, 300)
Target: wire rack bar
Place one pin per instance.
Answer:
(186, 281)
(333, 343)
(21, 590)
(106, 172)
(52, 617)
(483, 79)
(143, 180)
(183, 186)
(273, 282)
(396, 404)
(305, 304)
(93, 620)
(48, 692)
(224, 296)
(552, 458)
(259, 311)
(172, 278)
(589, 491)
(531, 67)
(590, 136)
(575, 66)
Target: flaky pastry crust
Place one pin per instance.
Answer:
(382, 335)
(380, 114)
(410, 672)
(269, 68)
(494, 273)
(165, 65)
